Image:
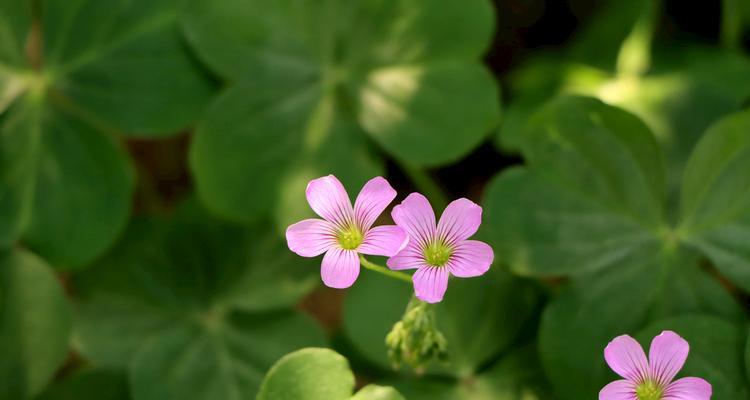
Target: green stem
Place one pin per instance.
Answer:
(426, 184)
(383, 270)
(731, 24)
(634, 58)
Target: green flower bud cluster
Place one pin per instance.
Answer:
(416, 340)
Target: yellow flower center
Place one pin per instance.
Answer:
(350, 237)
(437, 254)
(649, 390)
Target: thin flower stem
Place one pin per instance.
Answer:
(383, 270)
(426, 184)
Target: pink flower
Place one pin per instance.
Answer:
(344, 232)
(439, 250)
(651, 379)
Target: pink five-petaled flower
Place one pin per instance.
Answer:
(439, 250)
(651, 379)
(345, 231)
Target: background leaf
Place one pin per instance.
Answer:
(124, 62)
(34, 325)
(91, 384)
(579, 323)
(716, 347)
(194, 296)
(716, 197)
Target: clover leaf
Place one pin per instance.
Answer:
(91, 74)
(208, 301)
(317, 374)
(307, 80)
(35, 325)
(591, 204)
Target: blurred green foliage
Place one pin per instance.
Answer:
(620, 202)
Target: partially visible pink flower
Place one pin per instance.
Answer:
(651, 379)
(439, 250)
(345, 231)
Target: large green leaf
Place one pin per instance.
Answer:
(623, 299)
(716, 197)
(19, 137)
(221, 357)
(308, 80)
(202, 299)
(102, 70)
(593, 193)
(317, 374)
(516, 376)
(684, 92)
(256, 136)
(90, 384)
(310, 374)
(34, 325)
(716, 350)
(15, 20)
(480, 317)
(411, 110)
(541, 229)
(124, 62)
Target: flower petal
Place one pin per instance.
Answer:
(688, 389)
(626, 357)
(410, 257)
(460, 220)
(470, 258)
(372, 200)
(618, 390)
(667, 356)
(310, 237)
(430, 283)
(340, 268)
(329, 199)
(416, 217)
(384, 240)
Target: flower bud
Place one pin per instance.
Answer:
(416, 340)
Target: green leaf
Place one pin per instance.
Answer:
(541, 229)
(716, 197)
(15, 20)
(125, 63)
(257, 135)
(593, 193)
(317, 374)
(518, 375)
(375, 392)
(686, 91)
(415, 111)
(716, 348)
(50, 161)
(594, 309)
(307, 80)
(107, 69)
(19, 135)
(218, 358)
(85, 173)
(189, 294)
(606, 150)
(34, 325)
(309, 374)
(505, 304)
(90, 384)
